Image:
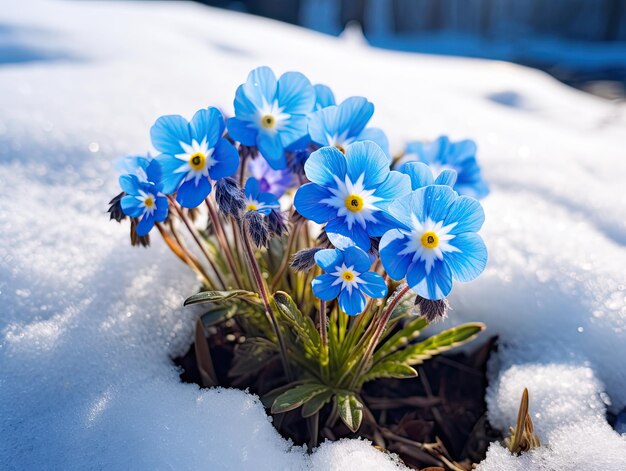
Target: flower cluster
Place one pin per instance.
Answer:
(411, 218)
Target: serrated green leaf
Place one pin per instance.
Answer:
(350, 410)
(389, 369)
(303, 326)
(401, 338)
(295, 397)
(436, 344)
(218, 296)
(314, 405)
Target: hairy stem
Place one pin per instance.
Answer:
(221, 238)
(192, 230)
(260, 282)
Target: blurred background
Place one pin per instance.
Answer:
(579, 42)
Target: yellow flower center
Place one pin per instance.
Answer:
(341, 149)
(268, 121)
(347, 275)
(354, 203)
(430, 240)
(197, 161)
(251, 207)
(148, 202)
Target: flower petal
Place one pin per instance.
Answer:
(323, 96)
(252, 188)
(145, 224)
(324, 165)
(374, 286)
(226, 160)
(307, 203)
(378, 136)
(170, 180)
(295, 93)
(168, 132)
(129, 184)
(324, 289)
(470, 262)
(260, 87)
(293, 130)
(395, 186)
(446, 177)
(131, 206)
(353, 115)
(242, 131)
(352, 303)
(341, 237)
(421, 175)
(207, 124)
(245, 109)
(322, 125)
(328, 259)
(435, 285)
(161, 208)
(467, 213)
(354, 256)
(272, 149)
(190, 196)
(391, 244)
(368, 159)
(437, 201)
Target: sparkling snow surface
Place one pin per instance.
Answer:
(88, 324)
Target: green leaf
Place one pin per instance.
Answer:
(401, 338)
(252, 355)
(350, 410)
(218, 296)
(438, 343)
(314, 405)
(389, 369)
(295, 397)
(217, 314)
(303, 326)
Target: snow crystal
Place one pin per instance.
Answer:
(88, 323)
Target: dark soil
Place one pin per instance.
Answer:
(435, 420)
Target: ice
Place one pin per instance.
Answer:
(88, 323)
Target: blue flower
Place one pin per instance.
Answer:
(422, 175)
(340, 126)
(270, 180)
(193, 153)
(257, 200)
(347, 277)
(323, 97)
(435, 241)
(351, 193)
(271, 114)
(459, 156)
(143, 199)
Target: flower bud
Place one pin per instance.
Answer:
(257, 228)
(229, 197)
(433, 311)
(115, 208)
(277, 223)
(304, 260)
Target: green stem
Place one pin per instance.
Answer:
(258, 278)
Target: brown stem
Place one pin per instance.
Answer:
(193, 232)
(221, 237)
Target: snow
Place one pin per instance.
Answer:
(88, 323)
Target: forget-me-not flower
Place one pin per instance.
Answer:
(435, 242)
(351, 193)
(271, 114)
(143, 198)
(257, 200)
(340, 126)
(347, 277)
(443, 154)
(192, 154)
